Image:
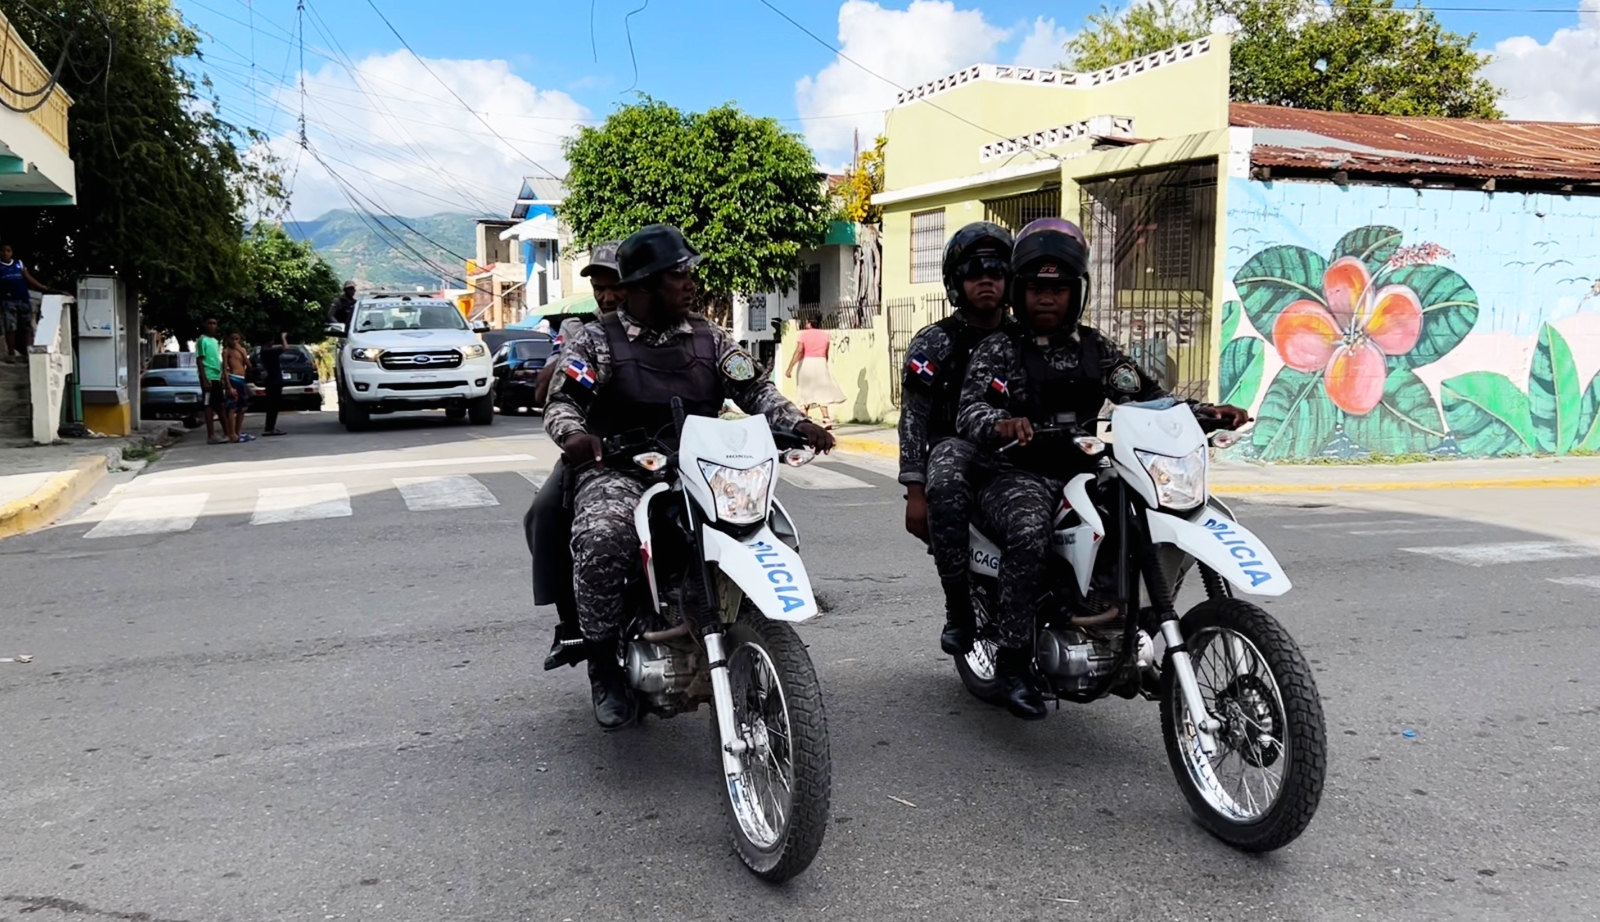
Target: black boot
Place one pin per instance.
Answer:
(566, 647)
(1015, 691)
(614, 703)
(959, 622)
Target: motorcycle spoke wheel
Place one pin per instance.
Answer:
(976, 669)
(761, 797)
(1260, 788)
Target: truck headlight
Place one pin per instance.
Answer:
(1180, 482)
(740, 495)
(475, 352)
(364, 354)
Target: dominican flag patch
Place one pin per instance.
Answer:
(580, 372)
(998, 385)
(555, 341)
(923, 367)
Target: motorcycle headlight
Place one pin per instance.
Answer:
(740, 495)
(361, 354)
(1180, 482)
(475, 352)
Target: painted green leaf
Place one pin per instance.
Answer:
(1372, 245)
(1449, 311)
(1230, 320)
(1239, 374)
(1406, 420)
(1275, 278)
(1488, 415)
(1296, 417)
(1554, 394)
(1589, 418)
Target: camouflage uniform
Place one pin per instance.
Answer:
(930, 451)
(605, 546)
(1018, 498)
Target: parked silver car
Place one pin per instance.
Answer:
(171, 393)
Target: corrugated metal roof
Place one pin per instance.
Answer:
(1547, 151)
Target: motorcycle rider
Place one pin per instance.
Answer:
(619, 373)
(1050, 369)
(934, 461)
(548, 523)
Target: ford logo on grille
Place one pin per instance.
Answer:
(421, 359)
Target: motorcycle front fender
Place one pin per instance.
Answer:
(1225, 546)
(770, 573)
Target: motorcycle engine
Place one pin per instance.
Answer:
(1072, 659)
(670, 677)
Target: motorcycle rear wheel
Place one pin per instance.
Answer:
(778, 807)
(976, 669)
(1256, 681)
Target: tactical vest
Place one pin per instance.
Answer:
(952, 373)
(644, 379)
(1052, 395)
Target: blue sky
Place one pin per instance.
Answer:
(397, 138)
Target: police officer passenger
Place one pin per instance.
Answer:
(1049, 369)
(618, 374)
(933, 460)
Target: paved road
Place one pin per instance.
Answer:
(299, 679)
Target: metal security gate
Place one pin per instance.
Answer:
(1152, 239)
(904, 322)
(1015, 212)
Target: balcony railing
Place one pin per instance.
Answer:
(23, 69)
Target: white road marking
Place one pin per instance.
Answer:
(150, 515)
(1347, 523)
(1478, 555)
(258, 473)
(534, 478)
(1589, 582)
(1424, 530)
(298, 504)
(817, 477)
(456, 491)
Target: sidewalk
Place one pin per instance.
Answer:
(1238, 478)
(39, 483)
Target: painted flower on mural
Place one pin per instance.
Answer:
(1348, 333)
(1350, 327)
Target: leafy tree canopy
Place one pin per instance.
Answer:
(287, 289)
(863, 181)
(744, 190)
(1351, 56)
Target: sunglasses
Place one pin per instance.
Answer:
(984, 267)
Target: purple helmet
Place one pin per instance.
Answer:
(1051, 249)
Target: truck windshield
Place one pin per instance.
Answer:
(409, 317)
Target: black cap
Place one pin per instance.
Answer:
(653, 250)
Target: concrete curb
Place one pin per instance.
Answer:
(861, 446)
(47, 503)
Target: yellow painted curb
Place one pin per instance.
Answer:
(863, 446)
(1510, 483)
(48, 502)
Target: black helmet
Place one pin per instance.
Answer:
(1051, 249)
(980, 239)
(653, 250)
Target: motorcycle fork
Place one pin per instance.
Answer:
(1160, 591)
(731, 745)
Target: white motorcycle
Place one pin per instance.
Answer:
(1240, 711)
(711, 529)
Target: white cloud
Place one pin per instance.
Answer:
(1043, 46)
(926, 40)
(1558, 80)
(402, 140)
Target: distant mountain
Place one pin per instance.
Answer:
(359, 252)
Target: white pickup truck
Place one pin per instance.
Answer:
(412, 353)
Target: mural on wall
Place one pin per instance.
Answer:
(1353, 351)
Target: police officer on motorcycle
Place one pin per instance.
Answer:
(1049, 371)
(619, 374)
(934, 461)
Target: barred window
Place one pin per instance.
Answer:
(927, 246)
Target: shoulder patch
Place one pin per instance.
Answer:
(998, 385)
(738, 365)
(922, 368)
(580, 372)
(1125, 378)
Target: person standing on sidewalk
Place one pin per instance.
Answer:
(236, 362)
(816, 385)
(272, 380)
(16, 304)
(214, 388)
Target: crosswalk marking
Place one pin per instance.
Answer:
(299, 504)
(1588, 582)
(1478, 555)
(818, 477)
(533, 477)
(455, 491)
(258, 473)
(150, 515)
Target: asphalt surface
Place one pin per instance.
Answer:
(344, 717)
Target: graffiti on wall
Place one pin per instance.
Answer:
(1358, 351)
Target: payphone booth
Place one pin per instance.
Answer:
(103, 379)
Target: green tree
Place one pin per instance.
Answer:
(744, 190)
(1352, 56)
(161, 183)
(288, 289)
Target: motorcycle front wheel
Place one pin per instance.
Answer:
(1259, 790)
(778, 805)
